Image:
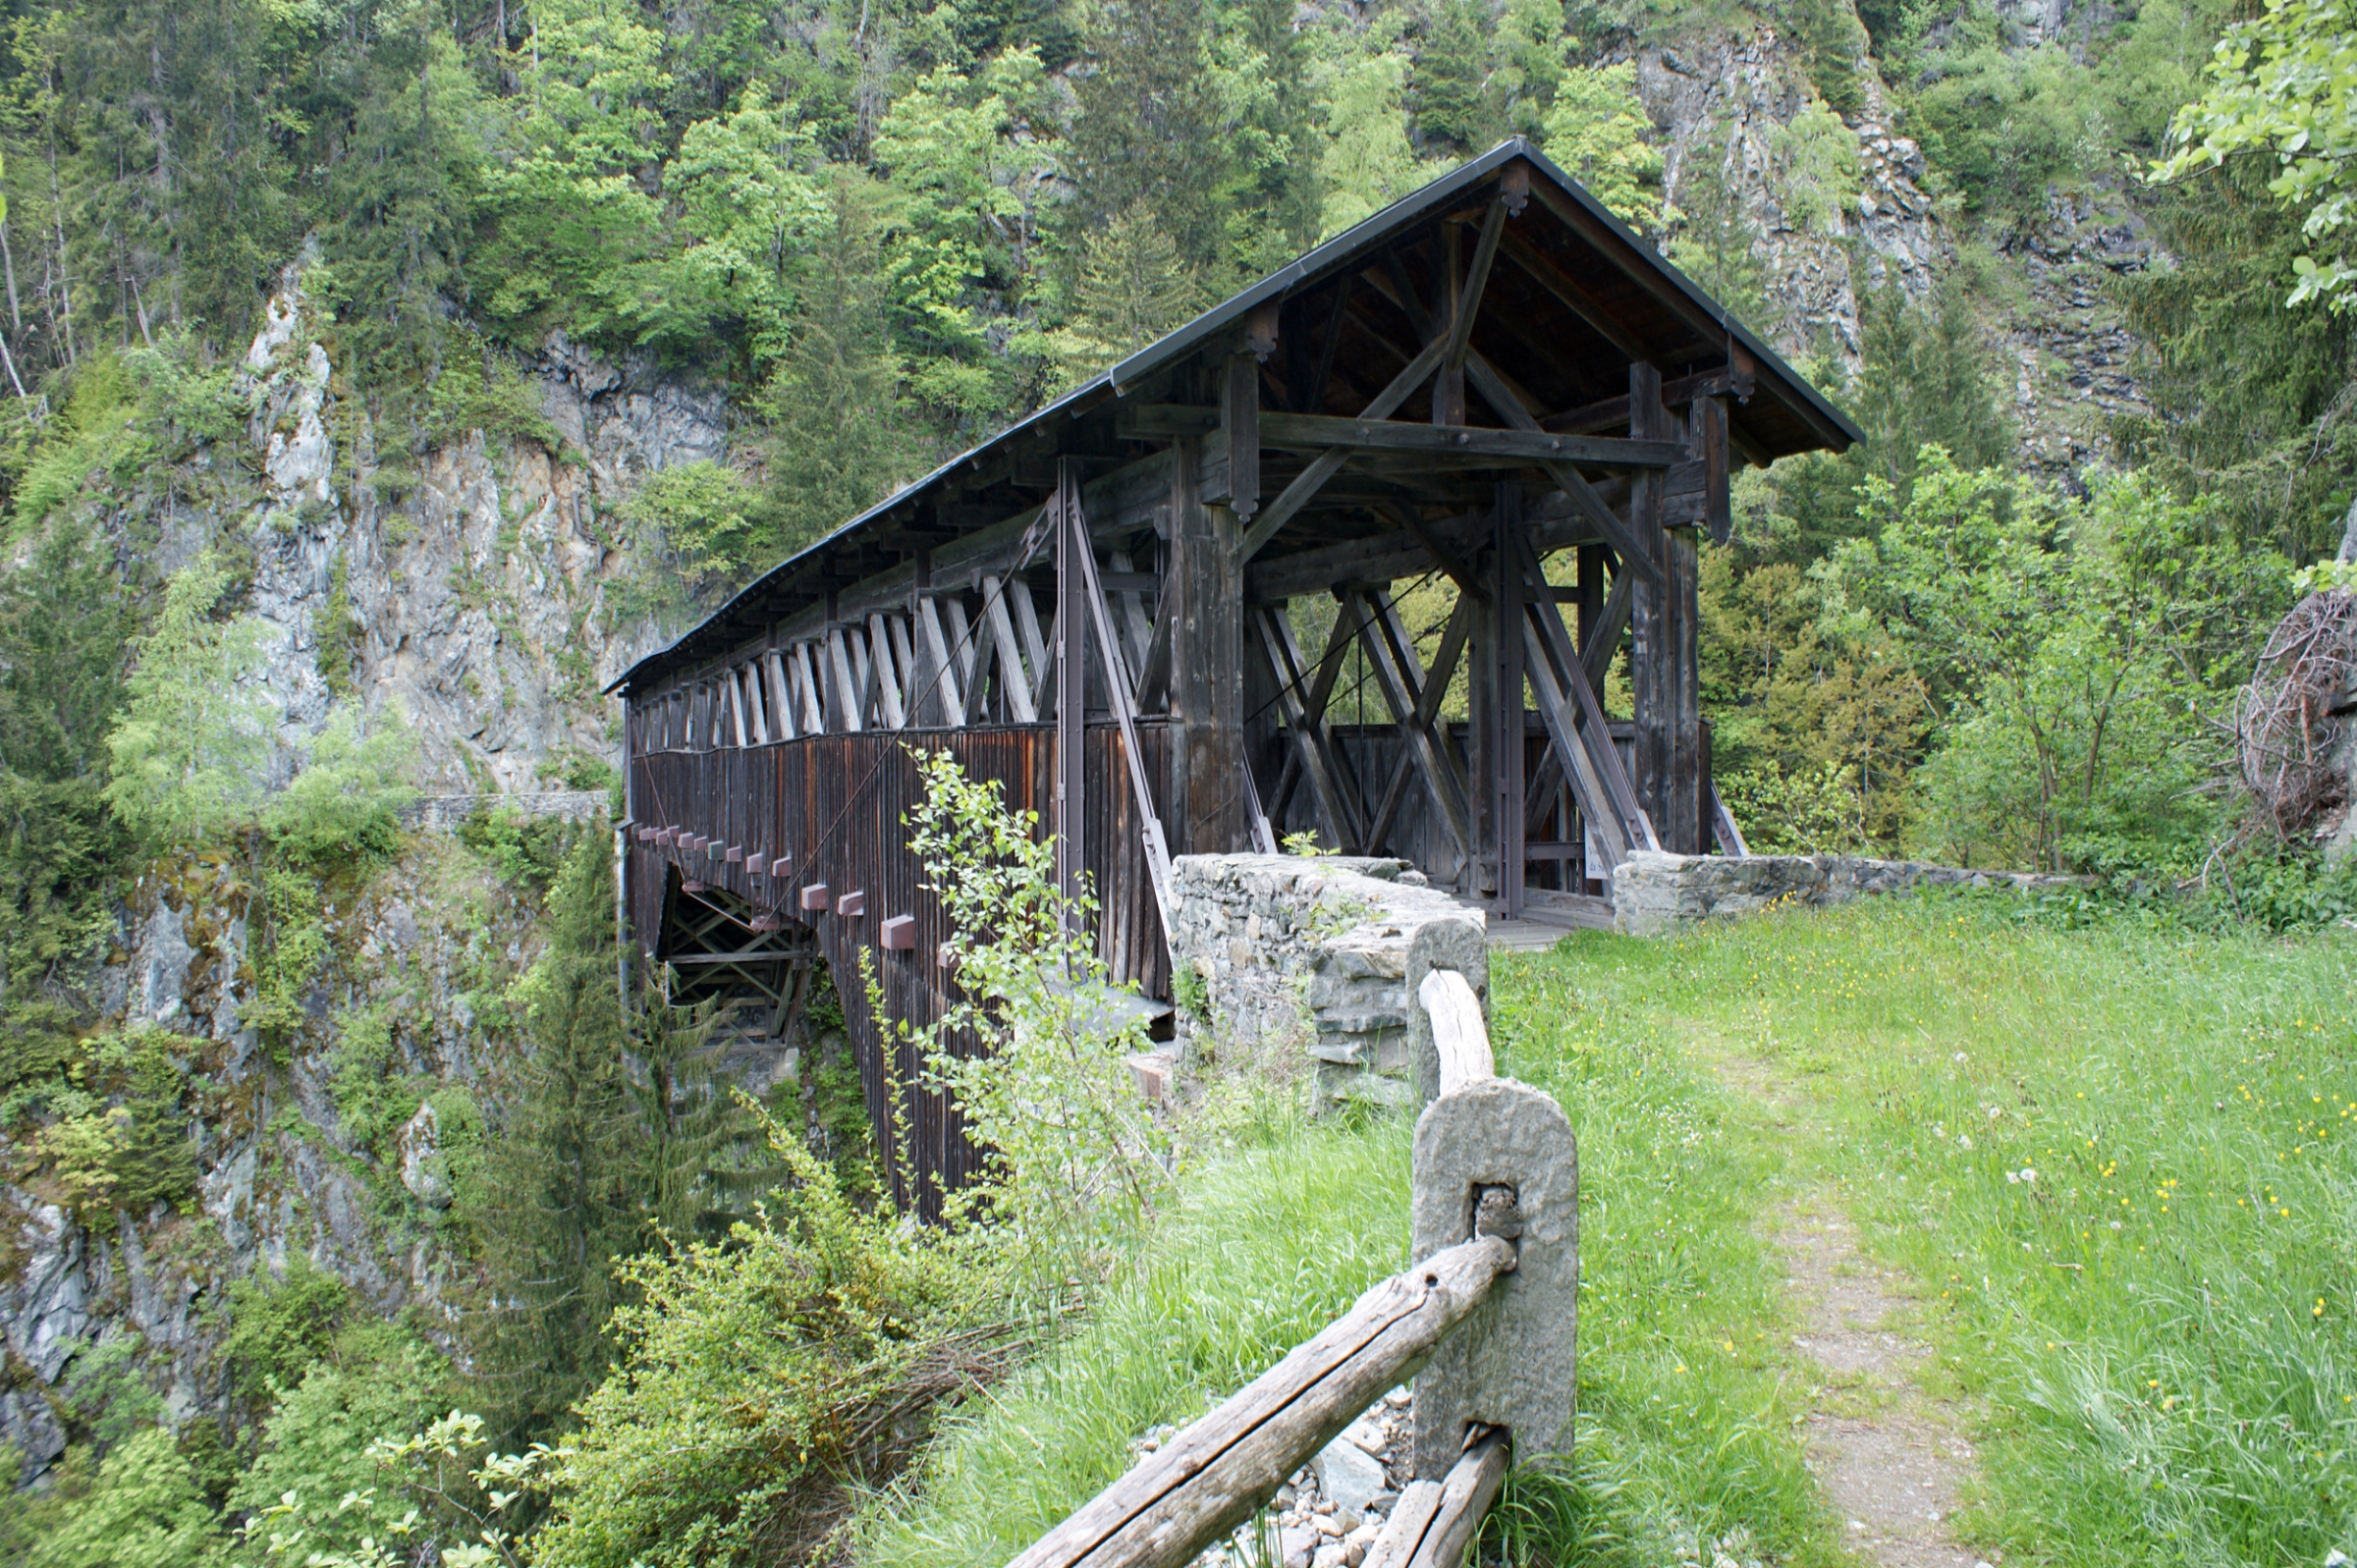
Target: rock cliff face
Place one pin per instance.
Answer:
(488, 597)
(1727, 108)
(483, 595)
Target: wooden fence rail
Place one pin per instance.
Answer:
(1485, 1322)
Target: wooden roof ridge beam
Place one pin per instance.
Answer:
(1445, 351)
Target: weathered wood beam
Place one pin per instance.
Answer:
(1296, 494)
(1309, 432)
(1543, 270)
(1210, 1478)
(1304, 718)
(1392, 656)
(1612, 413)
(1432, 688)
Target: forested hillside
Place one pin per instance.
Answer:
(378, 381)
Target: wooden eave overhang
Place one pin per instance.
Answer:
(1573, 299)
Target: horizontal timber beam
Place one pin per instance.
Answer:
(1310, 432)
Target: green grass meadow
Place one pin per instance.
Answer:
(2115, 1161)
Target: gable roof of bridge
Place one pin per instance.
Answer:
(1574, 299)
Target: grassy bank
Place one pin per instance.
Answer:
(2120, 1161)
(1686, 1421)
(2116, 1162)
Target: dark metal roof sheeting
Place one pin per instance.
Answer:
(1816, 422)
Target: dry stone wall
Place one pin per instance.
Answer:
(1658, 895)
(1325, 952)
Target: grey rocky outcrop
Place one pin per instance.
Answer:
(1325, 953)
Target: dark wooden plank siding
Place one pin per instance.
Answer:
(838, 805)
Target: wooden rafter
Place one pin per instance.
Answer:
(1414, 701)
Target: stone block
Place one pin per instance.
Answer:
(1514, 1362)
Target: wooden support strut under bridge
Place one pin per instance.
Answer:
(1356, 552)
(1486, 1322)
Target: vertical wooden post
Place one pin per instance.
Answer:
(1508, 813)
(1449, 382)
(1239, 432)
(1590, 604)
(1480, 878)
(1710, 439)
(1072, 690)
(1669, 697)
(1203, 812)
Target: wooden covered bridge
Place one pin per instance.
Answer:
(1491, 394)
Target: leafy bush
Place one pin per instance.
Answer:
(764, 1379)
(348, 798)
(1071, 1148)
(1818, 812)
(122, 1142)
(139, 1509)
(278, 1327)
(190, 749)
(1596, 129)
(369, 1382)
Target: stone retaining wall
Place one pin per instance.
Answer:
(1655, 894)
(1329, 950)
(444, 813)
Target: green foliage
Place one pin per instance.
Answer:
(526, 851)
(1454, 110)
(371, 1382)
(1072, 1152)
(279, 1325)
(120, 1137)
(105, 1395)
(497, 401)
(1596, 130)
(1146, 131)
(347, 801)
(1366, 162)
(449, 1501)
(1925, 382)
(2284, 83)
(189, 749)
(288, 950)
(2250, 396)
(1833, 39)
(837, 443)
(139, 1509)
(2076, 648)
(1133, 289)
(563, 1200)
(707, 525)
(63, 620)
(762, 1379)
(2003, 127)
(1796, 813)
(1816, 168)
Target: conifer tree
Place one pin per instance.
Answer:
(837, 443)
(1276, 215)
(1451, 99)
(1149, 129)
(564, 1192)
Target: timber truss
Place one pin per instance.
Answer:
(754, 968)
(1491, 388)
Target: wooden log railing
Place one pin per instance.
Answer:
(1483, 1323)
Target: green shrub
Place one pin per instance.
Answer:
(764, 1379)
(188, 750)
(278, 1327)
(139, 1509)
(345, 802)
